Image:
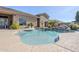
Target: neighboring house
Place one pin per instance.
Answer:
(9, 16)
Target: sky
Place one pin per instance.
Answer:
(62, 13)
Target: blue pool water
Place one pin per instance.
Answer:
(36, 37)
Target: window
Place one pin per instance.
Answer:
(22, 20)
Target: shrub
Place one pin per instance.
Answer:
(74, 26)
(51, 23)
(30, 25)
(15, 26)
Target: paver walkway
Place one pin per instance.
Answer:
(10, 42)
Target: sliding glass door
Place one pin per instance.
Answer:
(3, 22)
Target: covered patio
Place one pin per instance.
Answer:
(5, 20)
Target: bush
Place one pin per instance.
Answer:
(51, 23)
(15, 26)
(30, 25)
(74, 26)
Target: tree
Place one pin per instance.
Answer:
(77, 16)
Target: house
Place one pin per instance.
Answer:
(42, 20)
(9, 16)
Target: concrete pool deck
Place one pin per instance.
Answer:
(10, 42)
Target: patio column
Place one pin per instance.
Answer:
(15, 18)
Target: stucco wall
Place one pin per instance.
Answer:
(16, 18)
(32, 20)
(42, 21)
(29, 19)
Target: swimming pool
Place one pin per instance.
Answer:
(37, 37)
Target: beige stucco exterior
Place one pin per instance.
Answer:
(14, 16)
(42, 21)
